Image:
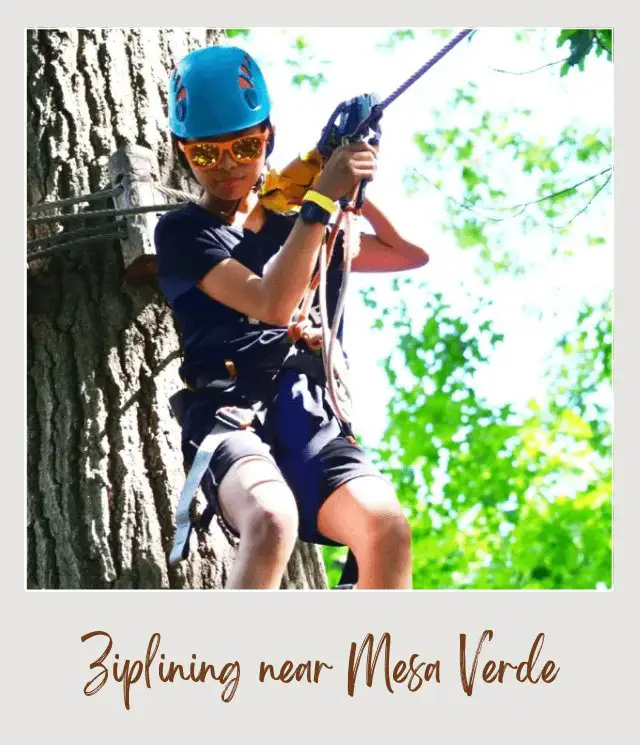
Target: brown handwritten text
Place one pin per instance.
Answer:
(128, 672)
(495, 671)
(288, 673)
(412, 673)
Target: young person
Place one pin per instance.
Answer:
(234, 274)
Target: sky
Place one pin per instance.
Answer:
(531, 311)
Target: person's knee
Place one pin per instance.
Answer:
(388, 530)
(272, 523)
(256, 501)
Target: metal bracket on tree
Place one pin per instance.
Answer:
(136, 169)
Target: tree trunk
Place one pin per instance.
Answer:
(104, 461)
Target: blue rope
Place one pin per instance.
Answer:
(419, 73)
(379, 108)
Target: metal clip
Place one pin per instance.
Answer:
(236, 417)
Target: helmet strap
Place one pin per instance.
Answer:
(260, 182)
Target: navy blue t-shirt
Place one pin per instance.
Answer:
(189, 242)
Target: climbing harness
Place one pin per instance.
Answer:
(232, 418)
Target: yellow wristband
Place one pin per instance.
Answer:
(327, 204)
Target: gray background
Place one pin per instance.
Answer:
(590, 635)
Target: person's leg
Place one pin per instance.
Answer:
(247, 490)
(365, 515)
(256, 502)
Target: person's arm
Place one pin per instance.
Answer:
(274, 297)
(387, 250)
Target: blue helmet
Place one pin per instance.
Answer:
(215, 91)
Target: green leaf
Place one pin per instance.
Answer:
(462, 96)
(465, 151)
(396, 37)
(582, 42)
(566, 34)
(470, 233)
(471, 178)
(314, 81)
(426, 147)
(443, 33)
(232, 33)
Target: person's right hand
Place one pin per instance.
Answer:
(307, 332)
(345, 169)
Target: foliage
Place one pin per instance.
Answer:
(233, 33)
(396, 37)
(482, 204)
(499, 499)
(307, 68)
(583, 42)
(479, 158)
(304, 61)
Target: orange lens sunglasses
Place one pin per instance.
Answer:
(205, 155)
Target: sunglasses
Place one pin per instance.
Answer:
(207, 155)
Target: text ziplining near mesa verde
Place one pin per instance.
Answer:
(369, 664)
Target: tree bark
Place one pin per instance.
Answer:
(104, 461)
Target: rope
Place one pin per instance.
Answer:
(64, 240)
(376, 113)
(175, 193)
(339, 398)
(79, 216)
(327, 338)
(113, 235)
(67, 235)
(427, 66)
(104, 194)
(337, 386)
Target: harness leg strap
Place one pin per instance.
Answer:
(199, 466)
(349, 575)
(228, 421)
